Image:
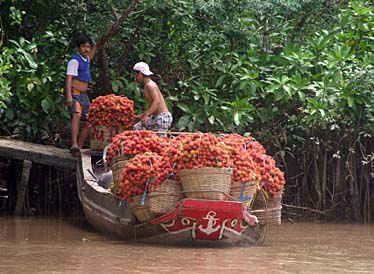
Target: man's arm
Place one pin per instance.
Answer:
(92, 52)
(68, 85)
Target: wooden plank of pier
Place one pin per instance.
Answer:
(29, 153)
(47, 155)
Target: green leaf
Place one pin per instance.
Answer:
(115, 86)
(351, 102)
(211, 119)
(237, 118)
(278, 96)
(184, 107)
(9, 113)
(29, 59)
(243, 84)
(286, 88)
(30, 86)
(206, 98)
(184, 121)
(220, 80)
(46, 105)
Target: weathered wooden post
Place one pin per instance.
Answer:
(22, 186)
(2, 197)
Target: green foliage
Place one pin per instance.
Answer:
(296, 74)
(34, 106)
(283, 6)
(5, 67)
(208, 53)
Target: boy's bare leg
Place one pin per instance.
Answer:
(83, 135)
(75, 132)
(75, 129)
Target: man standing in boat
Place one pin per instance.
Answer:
(76, 85)
(157, 116)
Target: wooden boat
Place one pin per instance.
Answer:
(193, 220)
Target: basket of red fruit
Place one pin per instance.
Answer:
(108, 116)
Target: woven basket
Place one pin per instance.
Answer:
(142, 212)
(117, 164)
(271, 216)
(164, 198)
(268, 210)
(244, 192)
(157, 202)
(261, 202)
(102, 136)
(209, 183)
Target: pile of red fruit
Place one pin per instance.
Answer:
(112, 111)
(244, 167)
(146, 170)
(134, 142)
(170, 153)
(203, 150)
(245, 155)
(251, 163)
(271, 176)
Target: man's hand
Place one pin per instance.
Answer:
(138, 117)
(144, 119)
(69, 101)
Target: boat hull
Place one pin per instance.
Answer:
(113, 217)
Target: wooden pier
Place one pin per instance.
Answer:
(29, 153)
(47, 155)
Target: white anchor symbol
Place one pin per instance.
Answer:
(211, 222)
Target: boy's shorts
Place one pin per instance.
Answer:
(160, 122)
(81, 103)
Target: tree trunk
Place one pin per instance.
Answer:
(104, 84)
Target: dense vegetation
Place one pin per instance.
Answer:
(297, 75)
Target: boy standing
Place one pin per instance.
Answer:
(156, 117)
(77, 77)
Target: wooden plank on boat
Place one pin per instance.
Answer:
(48, 155)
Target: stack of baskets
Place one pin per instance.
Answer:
(199, 183)
(268, 210)
(206, 183)
(101, 136)
(209, 183)
(157, 202)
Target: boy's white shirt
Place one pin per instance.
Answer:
(73, 65)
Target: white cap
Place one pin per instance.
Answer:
(143, 68)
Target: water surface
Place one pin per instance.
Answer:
(72, 246)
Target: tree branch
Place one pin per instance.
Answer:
(104, 83)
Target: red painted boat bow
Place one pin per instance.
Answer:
(207, 219)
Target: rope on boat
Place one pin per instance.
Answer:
(145, 192)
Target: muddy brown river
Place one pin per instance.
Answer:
(72, 246)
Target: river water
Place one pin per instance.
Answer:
(72, 246)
